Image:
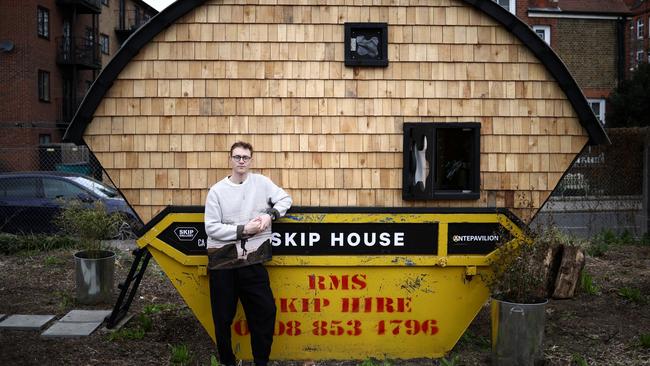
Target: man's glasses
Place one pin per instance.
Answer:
(241, 157)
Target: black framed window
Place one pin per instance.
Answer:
(105, 2)
(104, 43)
(44, 139)
(43, 22)
(366, 44)
(43, 86)
(441, 161)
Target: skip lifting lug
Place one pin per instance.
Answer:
(470, 272)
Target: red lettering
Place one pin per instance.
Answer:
(241, 327)
(410, 326)
(303, 305)
(376, 304)
(333, 282)
(288, 305)
(360, 281)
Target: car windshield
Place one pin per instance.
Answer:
(98, 188)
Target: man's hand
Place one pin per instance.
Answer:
(265, 221)
(253, 227)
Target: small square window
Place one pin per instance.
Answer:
(366, 44)
(598, 107)
(43, 22)
(544, 32)
(104, 43)
(43, 86)
(510, 5)
(44, 139)
(441, 161)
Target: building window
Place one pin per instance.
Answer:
(104, 43)
(105, 2)
(544, 32)
(44, 139)
(639, 57)
(598, 106)
(441, 161)
(43, 86)
(639, 28)
(43, 22)
(510, 5)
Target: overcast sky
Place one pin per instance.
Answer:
(159, 4)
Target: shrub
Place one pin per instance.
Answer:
(13, 244)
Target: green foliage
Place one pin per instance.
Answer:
(607, 238)
(644, 340)
(629, 103)
(632, 294)
(374, 362)
(454, 361)
(180, 355)
(213, 361)
(157, 308)
(472, 339)
(143, 324)
(587, 284)
(88, 223)
(579, 360)
(14, 244)
(518, 273)
(53, 261)
(127, 334)
(65, 300)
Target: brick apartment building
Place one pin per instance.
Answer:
(589, 36)
(638, 35)
(50, 53)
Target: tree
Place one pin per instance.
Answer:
(630, 102)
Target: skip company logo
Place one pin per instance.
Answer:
(473, 238)
(185, 233)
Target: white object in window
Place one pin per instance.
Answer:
(544, 32)
(510, 5)
(598, 106)
(639, 28)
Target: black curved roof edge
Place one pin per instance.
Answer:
(169, 15)
(343, 209)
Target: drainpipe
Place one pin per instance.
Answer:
(620, 49)
(122, 14)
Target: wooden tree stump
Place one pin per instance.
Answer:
(568, 274)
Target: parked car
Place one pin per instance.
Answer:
(29, 201)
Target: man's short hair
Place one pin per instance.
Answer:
(243, 145)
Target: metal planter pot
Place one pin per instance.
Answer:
(517, 333)
(94, 272)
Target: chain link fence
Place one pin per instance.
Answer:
(36, 182)
(603, 189)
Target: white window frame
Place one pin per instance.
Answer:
(639, 57)
(512, 6)
(640, 27)
(601, 108)
(547, 32)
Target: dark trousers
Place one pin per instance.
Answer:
(250, 284)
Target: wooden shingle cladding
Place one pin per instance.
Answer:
(330, 135)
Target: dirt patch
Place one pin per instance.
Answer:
(601, 328)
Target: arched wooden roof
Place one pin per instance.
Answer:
(167, 17)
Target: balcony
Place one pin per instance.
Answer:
(82, 6)
(78, 51)
(128, 22)
(66, 108)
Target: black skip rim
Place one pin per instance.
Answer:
(342, 209)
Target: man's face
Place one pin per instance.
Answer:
(240, 160)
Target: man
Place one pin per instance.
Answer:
(238, 214)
